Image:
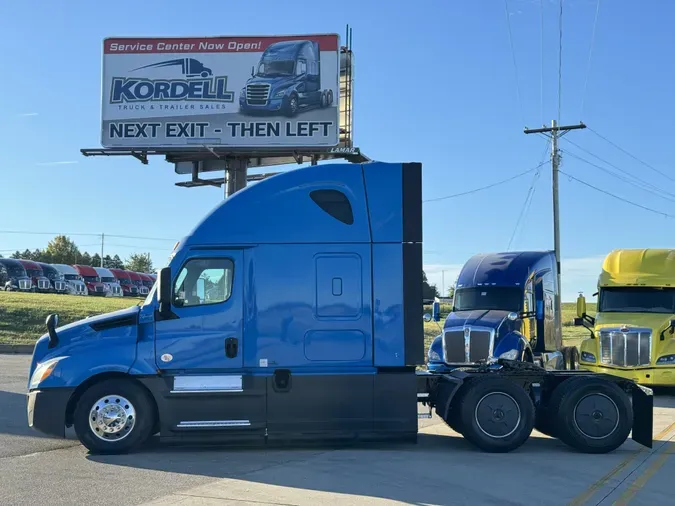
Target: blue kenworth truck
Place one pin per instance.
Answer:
(505, 305)
(292, 312)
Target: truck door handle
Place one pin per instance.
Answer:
(231, 347)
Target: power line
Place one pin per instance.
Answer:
(528, 200)
(590, 54)
(27, 232)
(632, 156)
(560, 29)
(650, 187)
(541, 78)
(617, 197)
(620, 178)
(513, 57)
(486, 187)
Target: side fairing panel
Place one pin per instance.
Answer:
(397, 296)
(307, 305)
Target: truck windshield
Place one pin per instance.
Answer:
(91, 279)
(106, 279)
(72, 277)
(124, 281)
(34, 273)
(637, 300)
(15, 272)
(270, 68)
(488, 297)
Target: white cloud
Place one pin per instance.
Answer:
(27, 114)
(69, 162)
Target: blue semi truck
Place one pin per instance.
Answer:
(293, 311)
(287, 80)
(504, 306)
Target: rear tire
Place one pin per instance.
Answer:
(114, 416)
(574, 358)
(567, 358)
(496, 414)
(592, 415)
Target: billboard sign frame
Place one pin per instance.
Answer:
(185, 92)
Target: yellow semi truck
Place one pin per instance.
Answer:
(632, 335)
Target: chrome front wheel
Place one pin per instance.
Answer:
(112, 418)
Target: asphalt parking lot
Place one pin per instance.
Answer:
(441, 469)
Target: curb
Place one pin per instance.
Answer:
(25, 349)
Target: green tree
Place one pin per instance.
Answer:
(62, 250)
(139, 262)
(85, 259)
(428, 291)
(16, 255)
(116, 262)
(96, 260)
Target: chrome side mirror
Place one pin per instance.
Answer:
(427, 317)
(512, 316)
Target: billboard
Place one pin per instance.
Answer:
(221, 91)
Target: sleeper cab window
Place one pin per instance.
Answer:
(335, 203)
(203, 281)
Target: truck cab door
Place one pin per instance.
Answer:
(205, 330)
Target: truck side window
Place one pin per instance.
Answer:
(302, 67)
(203, 281)
(335, 203)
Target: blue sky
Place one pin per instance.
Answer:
(434, 83)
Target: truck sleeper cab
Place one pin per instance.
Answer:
(112, 286)
(148, 281)
(58, 282)
(228, 347)
(129, 289)
(633, 333)
(504, 306)
(91, 279)
(138, 283)
(40, 282)
(287, 80)
(13, 276)
(76, 285)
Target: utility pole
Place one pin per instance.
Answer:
(102, 240)
(443, 283)
(555, 132)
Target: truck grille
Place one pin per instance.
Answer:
(99, 288)
(60, 285)
(134, 289)
(24, 284)
(79, 288)
(43, 284)
(144, 290)
(257, 94)
(467, 345)
(116, 289)
(626, 349)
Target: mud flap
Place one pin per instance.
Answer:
(643, 415)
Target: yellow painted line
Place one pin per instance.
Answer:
(593, 488)
(642, 480)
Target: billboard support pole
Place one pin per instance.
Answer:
(235, 175)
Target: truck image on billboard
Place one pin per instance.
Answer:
(221, 91)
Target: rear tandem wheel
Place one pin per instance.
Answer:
(492, 413)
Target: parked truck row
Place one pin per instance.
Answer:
(505, 306)
(229, 347)
(29, 276)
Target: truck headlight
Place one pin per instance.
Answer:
(433, 356)
(42, 372)
(587, 357)
(279, 93)
(666, 359)
(510, 355)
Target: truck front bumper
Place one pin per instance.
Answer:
(47, 410)
(273, 104)
(647, 376)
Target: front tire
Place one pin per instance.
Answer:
(292, 106)
(496, 414)
(114, 416)
(592, 415)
